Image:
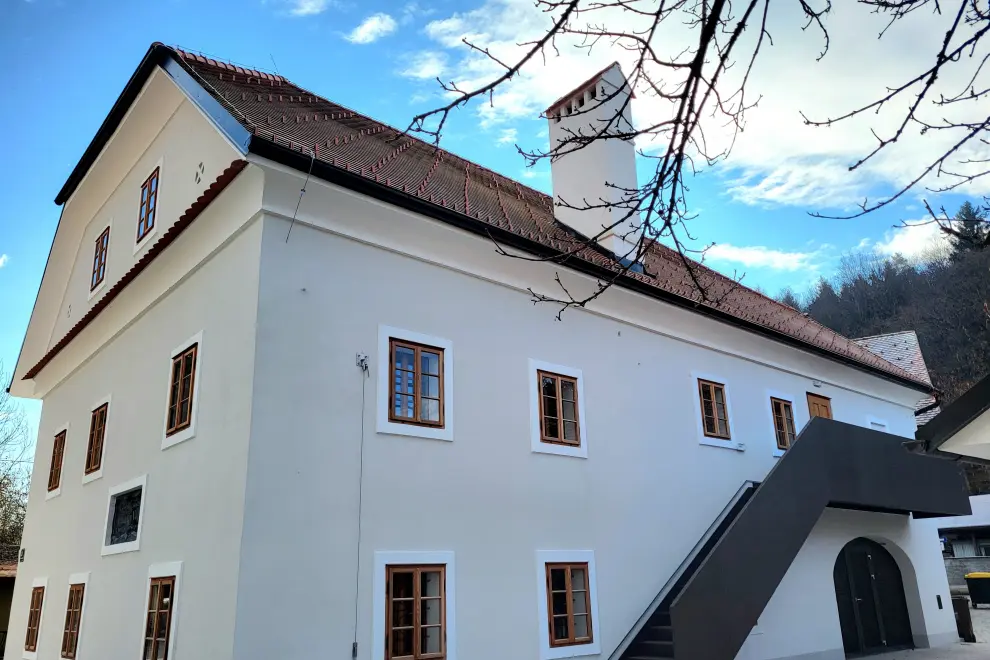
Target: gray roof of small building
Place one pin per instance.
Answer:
(903, 350)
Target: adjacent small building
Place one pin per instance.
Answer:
(333, 424)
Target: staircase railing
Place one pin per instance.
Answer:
(681, 569)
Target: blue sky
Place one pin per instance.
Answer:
(68, 61)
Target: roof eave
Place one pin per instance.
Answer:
(956, 416)
(302, 162)
(156, 55)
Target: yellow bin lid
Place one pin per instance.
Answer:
(977, 575)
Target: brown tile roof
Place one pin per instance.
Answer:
(273, 108)
(904, 350)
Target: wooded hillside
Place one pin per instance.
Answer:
(943, 298)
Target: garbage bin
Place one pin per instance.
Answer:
(979, 588)
(964, 622)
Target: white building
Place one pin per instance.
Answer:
(231, 463)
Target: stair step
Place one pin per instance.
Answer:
(655, 648)
(659, 633)
(660, 618)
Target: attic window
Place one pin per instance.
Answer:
(594, 92)
(580, 101)
(149, 205)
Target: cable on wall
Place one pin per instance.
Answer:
(302, 191)
(362, 363)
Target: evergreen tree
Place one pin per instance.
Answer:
(972, 229)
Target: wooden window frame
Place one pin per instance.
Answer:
(97, 437)
(719, 433)
(559, 380)
(417, 570)
(58, 454)
(144, 228)
(176, 375)
(827, 400)
(153, 611)
(100, 260)
(35, 607)
(789, 434)
(417, 348)
(73, 619)
(571, 639)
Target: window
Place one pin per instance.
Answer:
(100, 260)
(715, 416)
(819, 406)
(417, 384)
(34, 618)
(149, 204)
(73, 615)
(158, 624)
(181, 389)
(55, 471)
(97, 434)
(569, 604)
(125, 510)
(414, 611)
(558, 409)
(783, 422)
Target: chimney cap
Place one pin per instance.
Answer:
(587, 83)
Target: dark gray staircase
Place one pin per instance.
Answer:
(716, 597)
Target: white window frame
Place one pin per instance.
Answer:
(106, 272)
(50, 494)
(36, 582)
(93, 476)
(131, 546)
(76, 578)
(544, 557)
(165, 569)
(140, 245)
(799, 421)
(871, 421)
(536, 442)
(384, 424)
(699, 414)
(189, 432)
(385, 558)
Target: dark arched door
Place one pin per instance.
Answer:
(870, 593)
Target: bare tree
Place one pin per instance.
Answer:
(15, 466)
(703, 88)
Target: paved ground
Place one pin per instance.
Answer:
(961, 651)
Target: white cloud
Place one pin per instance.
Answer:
(3, 260)
(759, 256)
(308, 7)
(425, 65)
(507, 136)
(372, 29)
(913, 240)
(412, 10)
(777, 160)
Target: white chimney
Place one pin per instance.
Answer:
(585, 175)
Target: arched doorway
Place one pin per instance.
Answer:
(870, 593)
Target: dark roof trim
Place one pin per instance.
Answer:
(955, 416)
(353, 181)
(155, 56)
(180, 225)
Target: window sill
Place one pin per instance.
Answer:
(413, 431)
(146, 239)
(724, 444)
(30, 655)
(99, 287)
(120, 548)
(777, 453)
(177, 438)
(573, 651)
(92, 476)
(53, 493)
(579, 451)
